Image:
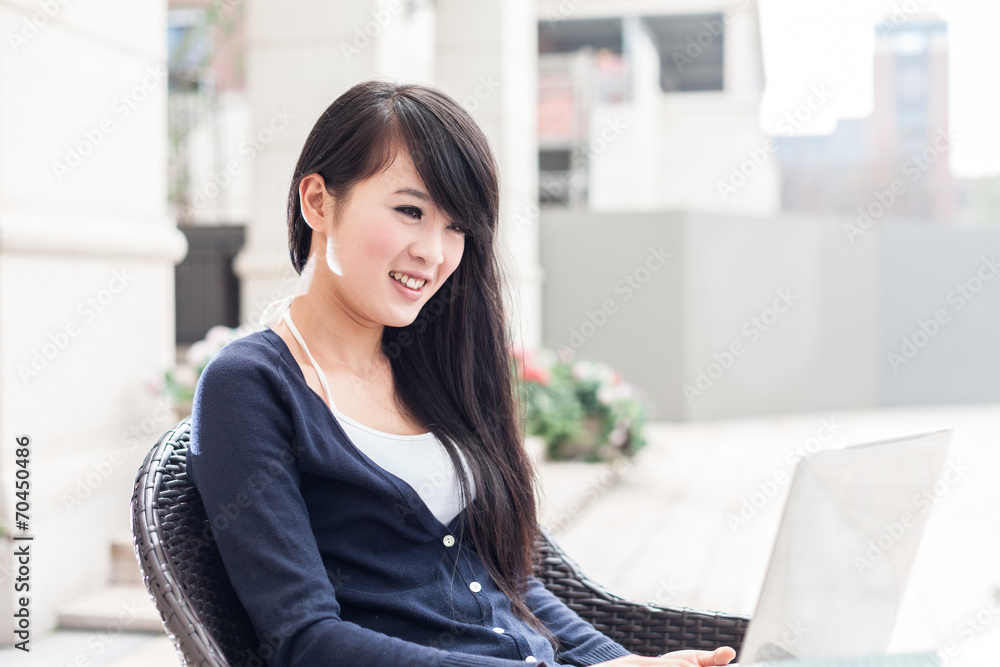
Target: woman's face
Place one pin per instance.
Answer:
(391, 248)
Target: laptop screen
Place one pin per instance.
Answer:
(848, 537)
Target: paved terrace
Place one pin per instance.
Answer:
(658, 529)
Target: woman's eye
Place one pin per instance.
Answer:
(457, 228)
(412, 211)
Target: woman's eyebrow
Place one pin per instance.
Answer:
(419, 194)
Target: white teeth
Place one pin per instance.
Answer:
(412, 283)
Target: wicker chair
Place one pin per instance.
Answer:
(186, 579)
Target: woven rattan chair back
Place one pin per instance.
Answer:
(184, 575)
(181, 565)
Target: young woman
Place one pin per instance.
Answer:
(360, 458)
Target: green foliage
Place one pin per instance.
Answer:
(582, 409)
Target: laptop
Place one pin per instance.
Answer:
(848, 537)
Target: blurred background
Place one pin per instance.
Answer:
(778, 220)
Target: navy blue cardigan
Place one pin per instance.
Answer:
(336, 560)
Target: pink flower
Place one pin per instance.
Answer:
(154, 384)
(538, 374)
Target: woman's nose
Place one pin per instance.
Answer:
(429, 245)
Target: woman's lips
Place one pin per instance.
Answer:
(412, 294)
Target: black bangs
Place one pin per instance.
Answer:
(361, 132)
(453, 159)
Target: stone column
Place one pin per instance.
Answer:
(487, 58)
(87, 255)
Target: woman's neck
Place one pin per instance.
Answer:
(334, 334)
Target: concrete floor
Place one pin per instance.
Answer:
(661, 532)
(656, 529)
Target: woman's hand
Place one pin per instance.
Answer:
(720, 656)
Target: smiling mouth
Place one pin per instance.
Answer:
(410, 282)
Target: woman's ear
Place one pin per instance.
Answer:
(315, 202)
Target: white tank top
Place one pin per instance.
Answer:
(419, 460)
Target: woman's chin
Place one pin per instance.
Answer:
(400, 320)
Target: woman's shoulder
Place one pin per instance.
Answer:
(256, 356)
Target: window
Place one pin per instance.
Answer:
(691, 51)
(189, 48)
(554, 177)
(207, 290)
(569, 36)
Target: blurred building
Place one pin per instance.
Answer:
(893, 164)
(210, 140)
(978, 200)
(633, 108)
(651, 106)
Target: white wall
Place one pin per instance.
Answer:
(801, 301)
(86, 277)
(941, 314)
(672, 331)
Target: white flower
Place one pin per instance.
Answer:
(200, 353)
(565, 354)
(218, 336)
(583, 370)
(154, 384)
(605, 373)
(545, 357)
(185, 376)
(606, 395)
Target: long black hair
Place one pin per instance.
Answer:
(450, 365)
